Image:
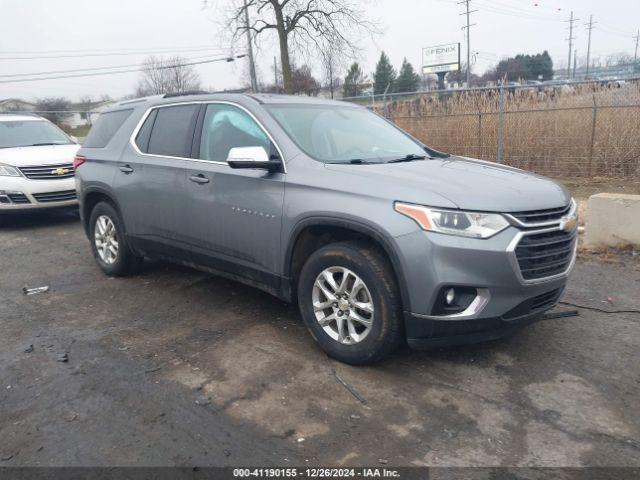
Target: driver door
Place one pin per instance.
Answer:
(235, 214)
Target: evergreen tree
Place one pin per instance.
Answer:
(526, 67)
(385, 75)
(352, 81)
(408, 80)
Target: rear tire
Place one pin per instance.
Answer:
(109, 244)
(357, 320)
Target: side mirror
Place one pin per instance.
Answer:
(252, 157)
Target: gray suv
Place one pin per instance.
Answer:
(378, 238)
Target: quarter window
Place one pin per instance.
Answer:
(172, 131)
(142, 139)
(105, 128)
(226, 127)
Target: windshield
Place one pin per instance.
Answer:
(25, 133)
(346, 134)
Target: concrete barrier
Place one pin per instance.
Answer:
(613, 220)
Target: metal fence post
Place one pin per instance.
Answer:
(593, 135)
(479, 134)
(500, 149)
(384, 99)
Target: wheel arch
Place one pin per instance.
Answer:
(312, 233)
(90, 199)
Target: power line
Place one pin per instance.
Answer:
(53, 72)
(97, 50)
(508, 10)
(111, 54)
(224, 59)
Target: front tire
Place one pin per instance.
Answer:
(349, 300)
(108, 242)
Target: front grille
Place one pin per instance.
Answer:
(546, 254)
(538, 216)
(535, 304)
(49, 172)
(19, 198)
(55, 196)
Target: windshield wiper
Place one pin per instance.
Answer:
(44, 144)
(353, 161)
(408, 158)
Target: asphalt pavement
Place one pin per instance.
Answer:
(177, 367)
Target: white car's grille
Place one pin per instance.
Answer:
(49, 172)
(64, 196)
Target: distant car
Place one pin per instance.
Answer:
(36, 165)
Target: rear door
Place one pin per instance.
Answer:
(150, 180)
(235, 215)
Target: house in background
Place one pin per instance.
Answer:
(16, 105)
(82, 114)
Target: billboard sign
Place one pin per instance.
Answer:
(441, 58)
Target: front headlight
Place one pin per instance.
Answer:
(454, 222)
(8, 171)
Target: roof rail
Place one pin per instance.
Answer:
(181, 94)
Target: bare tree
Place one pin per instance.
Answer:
(303, 26)
(160, 75)
(332, 62)
(55, 110)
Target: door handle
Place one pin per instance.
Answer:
(199, 179)
(126, 169)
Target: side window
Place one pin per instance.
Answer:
(226, 127)
(105, 128)
(172, 131)
(144, 134)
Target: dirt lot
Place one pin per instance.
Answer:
(175, 367)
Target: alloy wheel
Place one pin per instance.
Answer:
(106, 239)
(343, 305)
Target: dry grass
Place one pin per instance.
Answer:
(625, 255)
(550, 132)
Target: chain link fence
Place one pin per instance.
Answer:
(576, 129)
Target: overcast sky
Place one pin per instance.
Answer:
(90, 28)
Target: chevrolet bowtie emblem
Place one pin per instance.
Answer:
(60, 171)
(569, 224)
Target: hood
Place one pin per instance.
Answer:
(467, 183)
(33, 156)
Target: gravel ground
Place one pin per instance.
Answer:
(176, 367)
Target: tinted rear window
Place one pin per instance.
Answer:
(105, 128)
(172, 132)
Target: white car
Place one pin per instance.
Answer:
(36, 164)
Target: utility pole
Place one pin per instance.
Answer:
(571, 38)
(252, 65)
(635, 57)
(575, 62)
(589, 28)
(275, 73)
(468, 31)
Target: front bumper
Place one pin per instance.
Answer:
(433, 261)
(19, 194)
(429, 333)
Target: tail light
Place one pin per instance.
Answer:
(78, 160)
